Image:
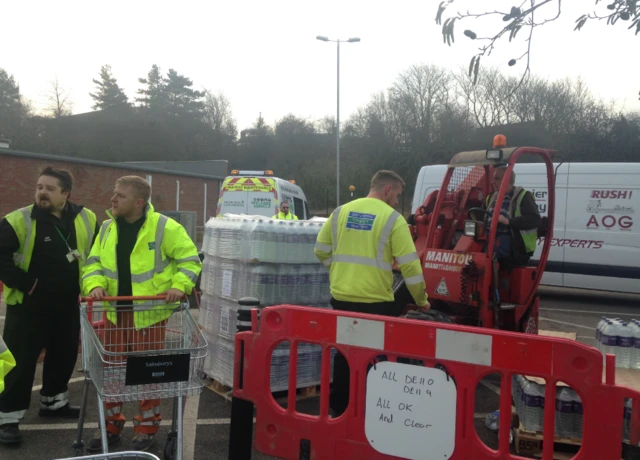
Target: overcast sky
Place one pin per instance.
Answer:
(264, 57)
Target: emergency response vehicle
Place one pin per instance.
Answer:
(596, 234)
(259, 193)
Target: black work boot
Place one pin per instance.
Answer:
(10, 433)
(95, 444)
(142, 441)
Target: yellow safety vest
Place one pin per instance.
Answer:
(530, 237)
(7, 362)
(163, 257)
(358, 244)
(283, 216)
(25, 228)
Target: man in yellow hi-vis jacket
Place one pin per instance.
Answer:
(7, 362)
(138, 252)
(358, 244)
(284, 213)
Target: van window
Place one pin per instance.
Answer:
(298, 208)
(306, 210)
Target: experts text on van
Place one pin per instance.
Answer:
(259, 193)
(596, 235)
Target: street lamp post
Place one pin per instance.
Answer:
(351, 40)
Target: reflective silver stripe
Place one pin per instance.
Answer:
(142, 277)
(385, 235)
(93, 273)
(191, 275)
(407, 258)
(85, 217)
(104, 227)
(113, 411)
(12, 417)
(26, 214)
(414, 280)
(327, 262)
(529, 232)
(93, 260)
(361, 260)
(322, 247)
(149, 423)
(162, 223)
(54, 402)
(188, 259)
(110, 273)
(150, 413)
(334, 226)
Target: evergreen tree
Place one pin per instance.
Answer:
(108, 93)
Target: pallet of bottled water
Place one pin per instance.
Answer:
(261, 239)
(619, 338)
(272, 283)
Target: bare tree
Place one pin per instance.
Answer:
(529, 15)
(420, 93)
(218, 115)
(58, 100)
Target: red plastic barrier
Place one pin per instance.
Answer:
(468, 354)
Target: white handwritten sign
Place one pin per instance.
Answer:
(411, 411)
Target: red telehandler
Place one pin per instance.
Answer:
(464, 280)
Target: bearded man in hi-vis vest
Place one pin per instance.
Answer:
(43, 247)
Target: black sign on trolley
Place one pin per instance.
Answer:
(144, 370)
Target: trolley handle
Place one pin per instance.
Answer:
(122, 298)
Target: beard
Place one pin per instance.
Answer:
(44, 203)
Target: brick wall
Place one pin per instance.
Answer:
(93, 186)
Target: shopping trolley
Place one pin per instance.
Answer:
(117, 456)
(125, 362)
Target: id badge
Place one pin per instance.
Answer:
(72, 256)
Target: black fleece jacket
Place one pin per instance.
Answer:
(49, 264)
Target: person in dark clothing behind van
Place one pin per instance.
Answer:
(517, 232)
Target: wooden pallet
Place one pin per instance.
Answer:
(529, 443)
(301, 393)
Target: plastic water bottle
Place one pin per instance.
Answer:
(625, 343)
(609, 339)
(577, 415)
(628, 406)
(599, 329)
(635, 353)
(564, 413)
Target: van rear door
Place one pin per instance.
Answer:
(603, 227)
(248, 195)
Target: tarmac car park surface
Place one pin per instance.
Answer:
(206, 417)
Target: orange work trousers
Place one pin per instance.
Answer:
(123, 337)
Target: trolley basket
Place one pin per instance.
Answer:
(158, 353)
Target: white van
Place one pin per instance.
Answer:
(259, 193)
(596, 237)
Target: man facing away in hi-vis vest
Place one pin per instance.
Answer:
(138, 252)
(518, 223)
(358, 244)
(42, 249)
(284, 213)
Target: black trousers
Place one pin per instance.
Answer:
(339, 396)
(51, 322)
